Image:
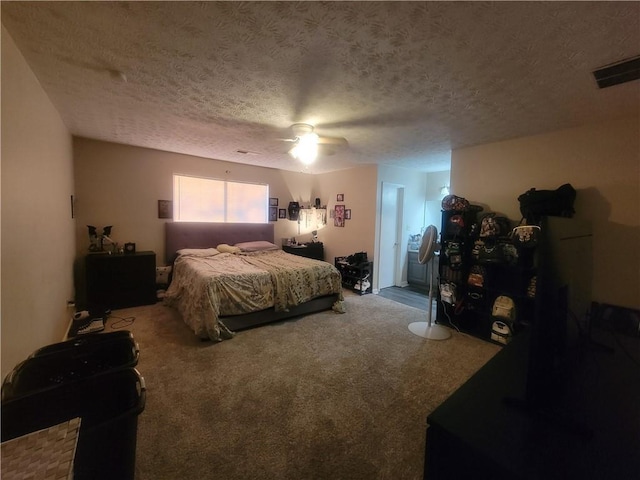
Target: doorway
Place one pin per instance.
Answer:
(391, 208)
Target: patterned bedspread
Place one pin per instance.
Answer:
(204, 289)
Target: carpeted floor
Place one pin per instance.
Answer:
(327, 396)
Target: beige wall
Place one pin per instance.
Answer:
(120, 185)
(37, 228)
(602, 161)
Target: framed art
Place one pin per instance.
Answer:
(347, 214)
(273, 202)
(340, 197)
(282, 213)
(273, 214)
(165, 209)
(338, 219)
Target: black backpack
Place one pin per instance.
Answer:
(535, 204)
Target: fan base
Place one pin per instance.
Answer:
(431, 332)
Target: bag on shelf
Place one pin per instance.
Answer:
(526, 236)
(475, 298)
(476, 276)
(455, 225)
(493, 225)
(501, 332)
(535, 204)
(504, 308)
(497, 252)
(453, 252)
(453, 202)
(448, 292)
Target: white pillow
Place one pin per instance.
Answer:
(225, 248)
(197, 252)
(257, 246)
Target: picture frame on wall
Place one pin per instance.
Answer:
(273, 214)
(338, 219)
(165, 209)
(340, 197)
(282, 213)
(347, 214)
(273, 202)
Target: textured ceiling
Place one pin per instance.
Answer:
(403, 82)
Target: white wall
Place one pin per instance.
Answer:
(414, 214)
(602, 161)
(37, 228)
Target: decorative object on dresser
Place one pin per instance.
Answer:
(426, 253)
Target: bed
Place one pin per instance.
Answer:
(220, 291)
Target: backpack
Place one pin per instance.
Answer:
(453, 202)
(555, 203)
(493, 225)
(505, 308)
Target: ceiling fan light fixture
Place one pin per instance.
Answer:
(306, 148)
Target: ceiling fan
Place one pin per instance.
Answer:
(307, 144)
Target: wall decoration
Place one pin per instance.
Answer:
(338, 219)
(282, 213)
(340, 197)
(273, 214)
(294, 211)
(347, 214)
(273, 202)
(165, 209)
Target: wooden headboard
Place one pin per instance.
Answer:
(179, 235)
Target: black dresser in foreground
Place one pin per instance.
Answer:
(122, 280)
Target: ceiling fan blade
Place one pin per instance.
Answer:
(340, 141)
(391, 119)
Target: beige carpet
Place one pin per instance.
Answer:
(326, 396)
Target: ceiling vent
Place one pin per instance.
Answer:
(616, 73)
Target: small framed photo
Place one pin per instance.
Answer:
(273, 214)
(347, 214)
(340, 197)
(165, 209)
(338, 219)
(282, 213)
(273, 202)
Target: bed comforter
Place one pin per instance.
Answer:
(204, 289)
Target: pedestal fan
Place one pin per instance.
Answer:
(426, 253)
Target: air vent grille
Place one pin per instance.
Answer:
(618, 73)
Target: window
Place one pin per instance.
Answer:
(197, 199)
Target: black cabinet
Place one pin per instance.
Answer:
(419, 274)
(309, 250)
(356, 277)
(474, 271)
(119, 281)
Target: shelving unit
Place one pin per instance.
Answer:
(354, 275)
(471, 310)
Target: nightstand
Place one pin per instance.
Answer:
(121, 280)
(309, 250)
